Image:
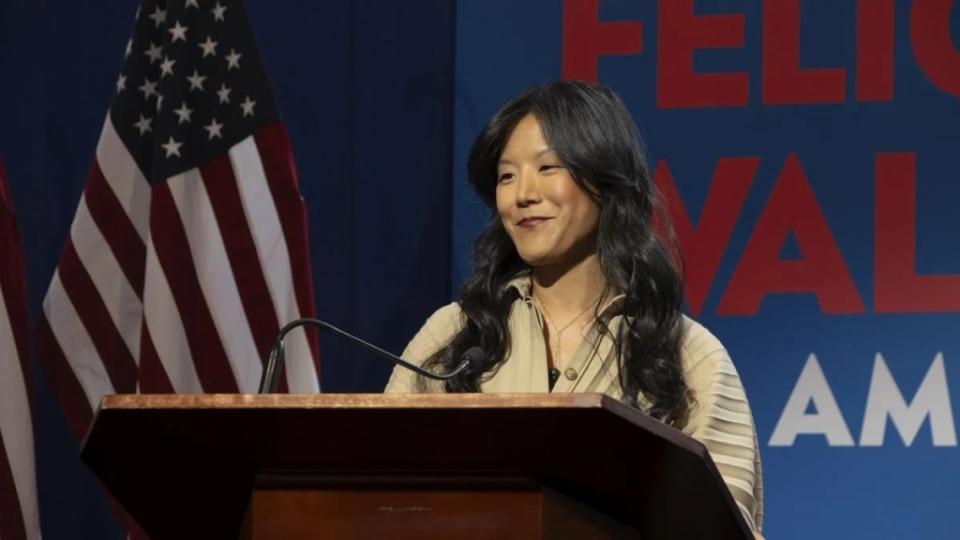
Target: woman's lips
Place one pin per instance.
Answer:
(531, 222)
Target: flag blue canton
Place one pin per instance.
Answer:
(192, 85)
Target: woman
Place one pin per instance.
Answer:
(572, 288)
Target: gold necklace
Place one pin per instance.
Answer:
(557, 333)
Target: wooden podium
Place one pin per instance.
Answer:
(405, 466)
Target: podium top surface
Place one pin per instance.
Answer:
(341, 401)
(180, 452)
(159, 402)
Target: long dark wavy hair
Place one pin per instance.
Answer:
(595, 138)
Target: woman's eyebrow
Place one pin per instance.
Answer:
(538, 155)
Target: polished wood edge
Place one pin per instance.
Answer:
(239, 402)
(355, 401)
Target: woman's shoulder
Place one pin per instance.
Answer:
(445, 320)
(697, 341)
(436, 332)
(704, 357)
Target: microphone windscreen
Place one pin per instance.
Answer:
(474, 355)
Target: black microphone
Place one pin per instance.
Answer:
(270, 379)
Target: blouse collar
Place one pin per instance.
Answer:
(522, 282)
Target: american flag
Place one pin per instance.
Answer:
(19, 516)
(188, 249)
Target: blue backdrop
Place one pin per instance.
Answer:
(838, 304)
(811, 115)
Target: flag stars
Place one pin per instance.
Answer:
(224, 94)
(209, 47)
(166, 67)
(143, 125)
(129, 48)
(154, 52)
(149, 88)
(196, 81)
(192, 3)
(247, 106)
(178, 32)
(233, 60)
(121, 83)
(172, 147)
(218, 12)
(214, 130)
(183, 113)
(159, 101)
(159, 16)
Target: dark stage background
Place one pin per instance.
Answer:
(364, 89)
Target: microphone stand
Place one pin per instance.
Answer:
(270, 379)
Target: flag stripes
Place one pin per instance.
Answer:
(19, 515)
(75, 344)
(154, 378)
(127, 182)
(11, 517)
(174, 355)
(273, 152)
(228, 208)
(169, 239)
(109, 345)
(212, 303)
(216, 277)
(101, 216)
(188, 250)
(60, 375)
(93, 247)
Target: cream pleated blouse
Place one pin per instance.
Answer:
(720, 417)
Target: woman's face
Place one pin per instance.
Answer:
(548, 217)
